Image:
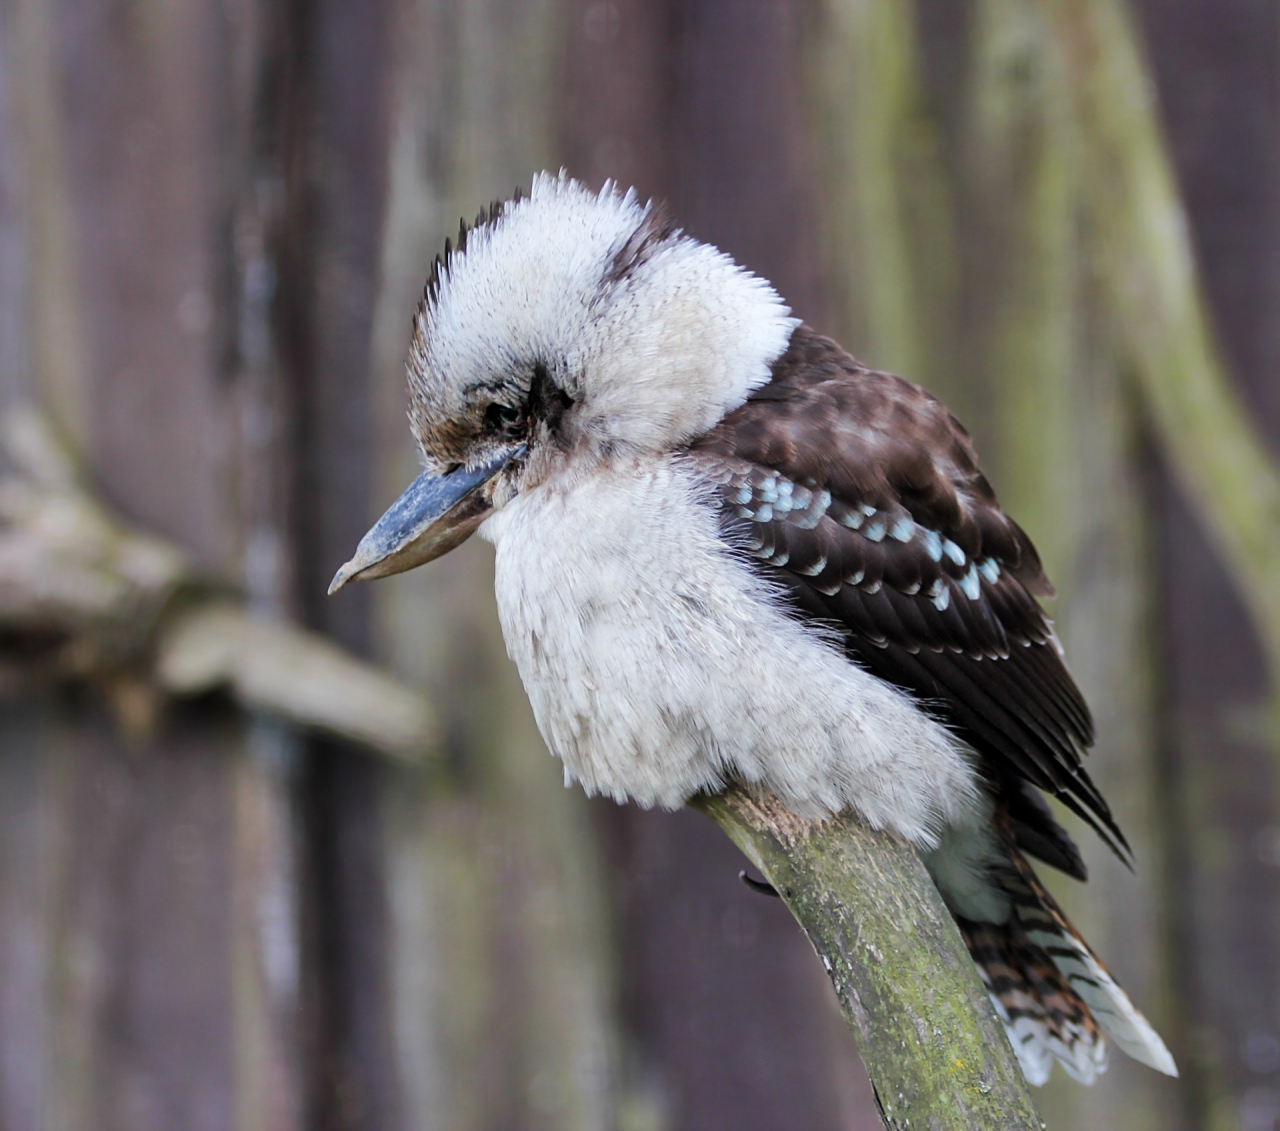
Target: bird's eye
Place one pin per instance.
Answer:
(502, 418)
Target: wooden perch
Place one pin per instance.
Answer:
(936, 1054)
(82, 597)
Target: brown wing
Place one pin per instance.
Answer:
(862, 495)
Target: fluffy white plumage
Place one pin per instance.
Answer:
(658, 665)
(651, 361)
(658, 662)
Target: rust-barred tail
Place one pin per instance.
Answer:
(1049, 989)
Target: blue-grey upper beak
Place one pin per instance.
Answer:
(435, 514)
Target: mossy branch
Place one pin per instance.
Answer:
(928, 1035)
(1149, 266)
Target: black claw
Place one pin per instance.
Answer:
(760, 887)
(880, 1106)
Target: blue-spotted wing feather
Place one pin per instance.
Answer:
(861, 494)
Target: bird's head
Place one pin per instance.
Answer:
(566, 328)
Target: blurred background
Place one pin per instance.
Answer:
(1063, 216)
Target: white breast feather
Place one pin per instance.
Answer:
(659, 665)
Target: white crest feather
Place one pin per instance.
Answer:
(652, 356)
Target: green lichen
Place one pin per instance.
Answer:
(929, 1038)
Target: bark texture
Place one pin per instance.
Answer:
(929, 1038)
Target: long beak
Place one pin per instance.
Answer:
(435, 514)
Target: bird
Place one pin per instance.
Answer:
(726, 551)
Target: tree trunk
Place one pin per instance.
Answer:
(503, 991)
(136, 870)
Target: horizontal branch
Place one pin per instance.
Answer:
(84, 597)
(295, 675)
(936, 1054)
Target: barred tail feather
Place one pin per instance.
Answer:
(1048, 928)
(1044, 1017)
(1052, 994)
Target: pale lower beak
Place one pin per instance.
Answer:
(435, 514)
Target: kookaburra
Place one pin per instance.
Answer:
(725, 550)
